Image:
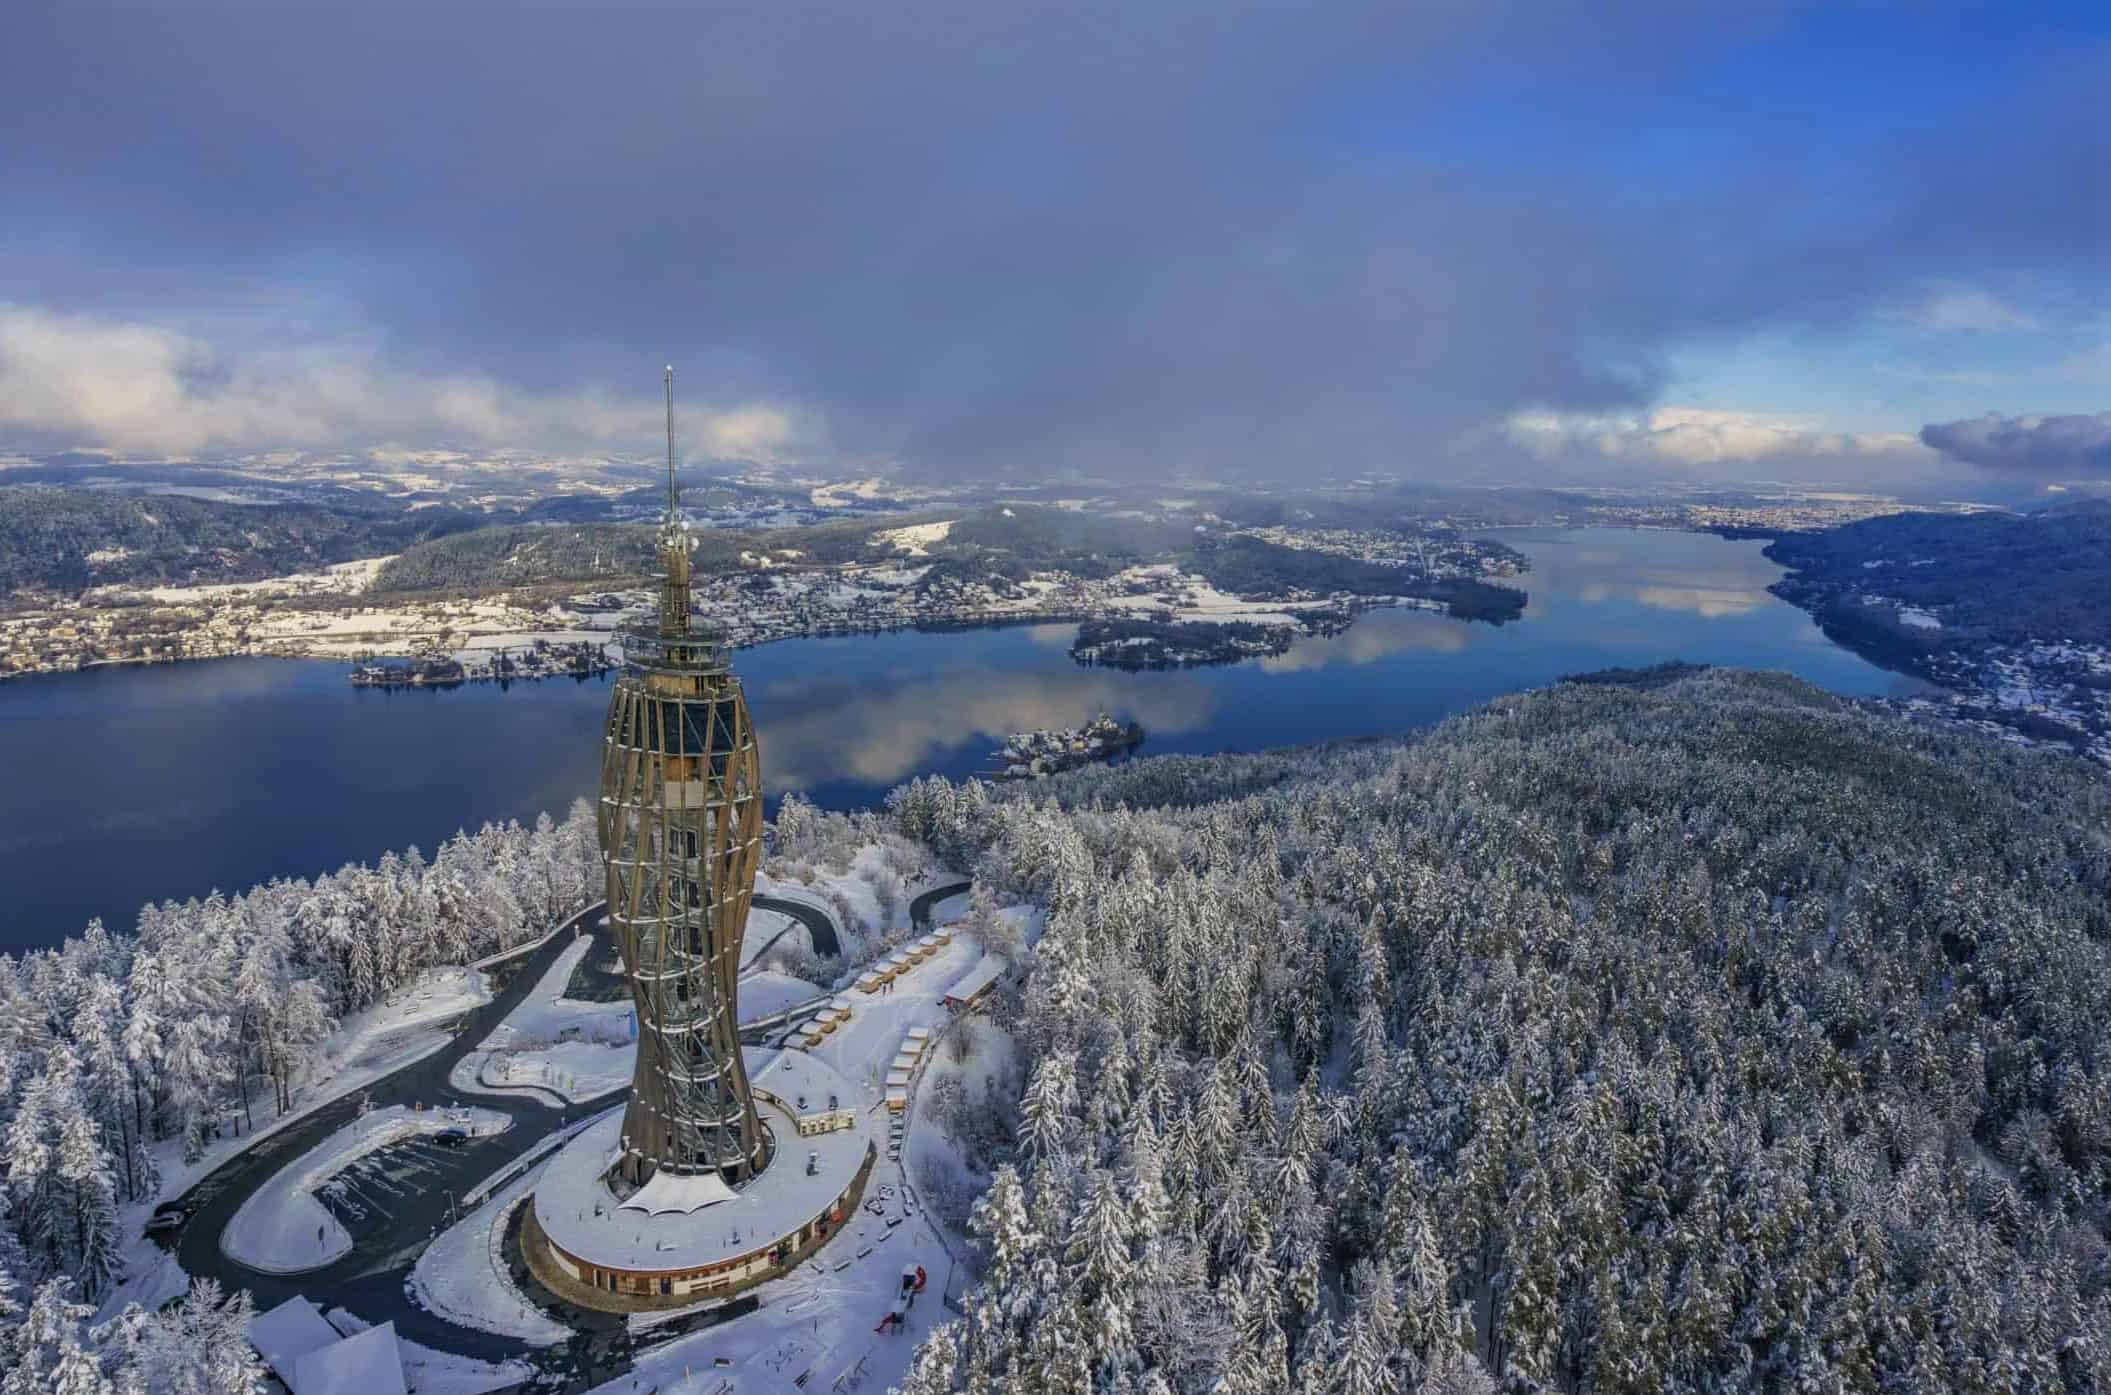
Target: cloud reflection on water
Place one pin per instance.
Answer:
(1377, 634)
(884, 731)
(1692, 574)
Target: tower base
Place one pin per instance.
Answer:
(677, 1245)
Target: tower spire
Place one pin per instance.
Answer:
(674, 542)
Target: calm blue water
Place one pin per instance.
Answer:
(122, 785)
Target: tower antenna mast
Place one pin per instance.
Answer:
(670, 440)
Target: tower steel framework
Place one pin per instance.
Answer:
(681, 834)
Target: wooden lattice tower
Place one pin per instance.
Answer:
(681, 835)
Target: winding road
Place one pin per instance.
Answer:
(920, 908)
(811, 916)
(369, 1280)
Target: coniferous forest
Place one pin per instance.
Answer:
(1709, 1033)
(1712, 1036)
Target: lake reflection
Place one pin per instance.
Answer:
(128, 784)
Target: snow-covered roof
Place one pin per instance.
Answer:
(287, 1333)
(574, 1208)
(840, 1004)
(897, 1077)
(678, 1193)
(368, 1363)
(918, 1034)
(985, 973)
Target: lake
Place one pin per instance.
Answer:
(129, 784)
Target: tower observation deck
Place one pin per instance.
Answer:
(680, 824)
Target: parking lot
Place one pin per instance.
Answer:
(374, 1191)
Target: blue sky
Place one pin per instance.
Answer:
(1454, 240)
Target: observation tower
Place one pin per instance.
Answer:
(674, 1199)
(681, 835)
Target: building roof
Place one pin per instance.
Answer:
(988, 971)
(575, 1209)
(309, 1358)
(287, 1333)
(367, 1363)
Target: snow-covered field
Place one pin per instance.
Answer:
(283, 1229)
(917, 538)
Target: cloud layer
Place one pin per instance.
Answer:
(133, 387)
(1691, 439)
(2072, 445)
(1268, 239)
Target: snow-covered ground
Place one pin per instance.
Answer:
(462, 1277)
(429, 1372)
(568, 1047)
(765, 993)
(917, 538)
(573, 1070)
(283, 1229)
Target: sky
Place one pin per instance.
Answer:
(1160, 239)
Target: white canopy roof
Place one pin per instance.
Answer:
(678, 1193)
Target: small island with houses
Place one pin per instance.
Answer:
(1031, 755)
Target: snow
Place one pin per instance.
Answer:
(916, 539)
(366, 1364)
(292, 1330)
(599, 1049)
(545, 1012)
(765, 994)
(678, 1194)
(283, 1229)
(577, 1211)
(816, 1325)
(409, 1025)
(431, 1372)
(462, 1277)
(1919, 619)
(986, 972)
(573, 1071)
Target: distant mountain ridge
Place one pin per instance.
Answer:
(65, 541)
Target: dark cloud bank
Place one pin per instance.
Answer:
(2076, 444)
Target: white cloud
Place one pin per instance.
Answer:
(83, 381)
(1693, 437)
(1957, 307)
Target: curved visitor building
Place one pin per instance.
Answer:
(729, 1165)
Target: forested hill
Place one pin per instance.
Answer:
(1991, 577)
(66, 540)
(1711, 1035)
